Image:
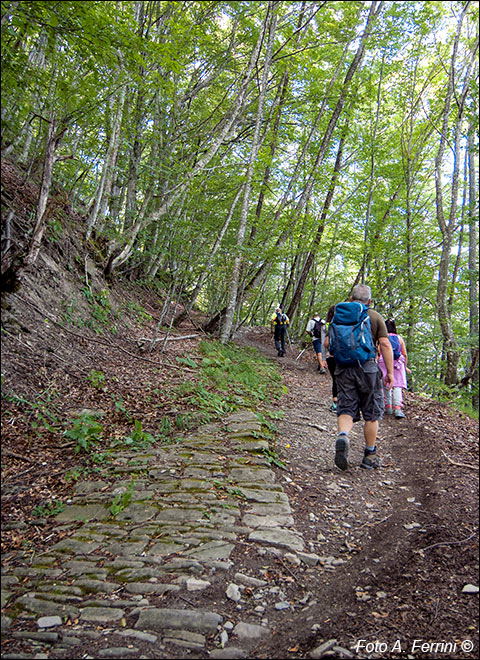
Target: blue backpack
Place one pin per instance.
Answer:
(350, 334)
(396, 347)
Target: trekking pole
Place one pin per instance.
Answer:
(288, 337)
(300, 354)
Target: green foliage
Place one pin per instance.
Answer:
(187, 361)
(138, 310)
(138, 438)
(86, 431)
(183, 422)
(120, 502)
(97, 379)
(74, 474)
(41, 411)
(229, 378)
(229, 489)
(464, 404)
(458, 398)
(69, 314)
(272, 457)
(165, 426)
(100, 458)
(120, 407)
(55, 228)
(243, 370)
(267, 417)
(91, 63)
(48, 509)
(100, 309)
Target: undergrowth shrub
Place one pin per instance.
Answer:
(229, 378)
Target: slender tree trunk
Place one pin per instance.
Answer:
(106, 180)
(373, 13)
(473, 261)
(135, 156)
(461, 234)
(227, 321)
(36, 240)
(264, 267)
(206, 271)
(371, 185)
(412, 148)
(13, 276)
(447, 224)
(281, 96)
(171, 197)
(320, 229)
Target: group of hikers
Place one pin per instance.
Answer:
(367, 360)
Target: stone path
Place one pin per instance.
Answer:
(186, 515)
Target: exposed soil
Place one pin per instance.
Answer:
(407, 533)
(404, 538)
(418, 541)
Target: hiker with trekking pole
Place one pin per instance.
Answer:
(316, 328)
(278, 326)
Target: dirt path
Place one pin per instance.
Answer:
(369, 563)
(398, 544)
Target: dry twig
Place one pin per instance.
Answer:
(466, 465)
(21, 457)
(435, 545)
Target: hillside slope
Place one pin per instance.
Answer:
(381, 557)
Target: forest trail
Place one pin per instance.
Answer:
(216, 551)
(403, 539)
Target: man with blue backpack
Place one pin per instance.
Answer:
(354, 335)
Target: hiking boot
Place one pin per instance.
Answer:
(370, 461)
(333, 407)
(321, 370)
(341, 451)
(388, 410)
(398, 412)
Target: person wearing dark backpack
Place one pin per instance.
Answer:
(278, 325)
(316, 328)
(354, 334)
(394, 397)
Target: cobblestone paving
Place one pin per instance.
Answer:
(124, 585)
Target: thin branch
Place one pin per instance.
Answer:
(21, 457)
(471, 467)
(435, 545)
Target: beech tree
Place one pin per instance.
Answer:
(447, 219)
